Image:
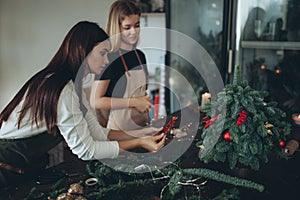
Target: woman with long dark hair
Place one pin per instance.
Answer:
(51, 107)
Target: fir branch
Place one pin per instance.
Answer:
(217, 176)
(30, 194)
(117, 187)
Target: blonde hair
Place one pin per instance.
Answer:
(118, 11)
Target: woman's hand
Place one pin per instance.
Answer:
(142, 104)
(153, 143)
(127, 135)
(147, 131)
(146, 138)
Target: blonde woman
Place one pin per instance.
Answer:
(121, 88)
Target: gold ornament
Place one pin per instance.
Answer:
(65, 196)
(268, 126)
(269, 132)
(75, 188)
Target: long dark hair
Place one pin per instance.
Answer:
(43, 89)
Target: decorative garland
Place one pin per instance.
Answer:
(168, 183)
(172, 179)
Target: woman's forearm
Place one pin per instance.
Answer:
(119, 135)
(100, 103)
(130, 144)
(107, 103)
(126, 141)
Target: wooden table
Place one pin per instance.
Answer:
(281, 178)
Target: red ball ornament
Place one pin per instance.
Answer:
(227, 137)
(282, 143)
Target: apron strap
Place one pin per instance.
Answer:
(138, 57)
(124, 62)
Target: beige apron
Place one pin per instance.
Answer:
(130, 118)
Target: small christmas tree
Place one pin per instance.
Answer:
(240, 127)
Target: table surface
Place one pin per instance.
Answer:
(281, 178)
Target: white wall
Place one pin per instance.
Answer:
(153, 36)
(31, 31)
